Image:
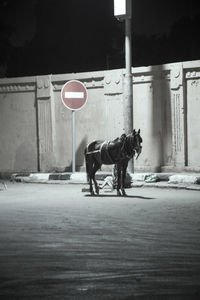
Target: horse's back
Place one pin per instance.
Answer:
(95, 145)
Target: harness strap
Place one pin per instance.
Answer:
(106, 144)
(108, 154)
(102, 146)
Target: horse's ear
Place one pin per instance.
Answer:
(133, 131)
(139, 131)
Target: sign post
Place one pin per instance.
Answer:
(73, 142)
(74, 97)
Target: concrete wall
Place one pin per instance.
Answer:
(35, 127)
(18, 125)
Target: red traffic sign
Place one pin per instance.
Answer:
(74, 94)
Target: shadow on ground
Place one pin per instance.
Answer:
(110, 195)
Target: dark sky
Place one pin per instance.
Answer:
(62, 36)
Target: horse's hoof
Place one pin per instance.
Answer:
(124, 193)
(118, 193)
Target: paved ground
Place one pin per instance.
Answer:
(58, 243)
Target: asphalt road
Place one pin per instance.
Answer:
(58, 243)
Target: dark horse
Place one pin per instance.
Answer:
(118, 152)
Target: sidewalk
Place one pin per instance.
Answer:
(160, 180)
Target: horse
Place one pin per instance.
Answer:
(117, 152)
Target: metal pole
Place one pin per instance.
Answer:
(73, 142)
(128, 91)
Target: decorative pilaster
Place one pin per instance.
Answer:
(44, 115)
(178, 118)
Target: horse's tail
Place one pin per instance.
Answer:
(86, 163)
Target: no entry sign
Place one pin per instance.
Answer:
(74, 97)
(74, 94)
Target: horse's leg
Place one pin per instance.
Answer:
(90, 171)
(118, 180)
(95, 168)
(91, 188)
(124, 167)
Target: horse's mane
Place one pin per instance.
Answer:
(115, 140)
(120, 139)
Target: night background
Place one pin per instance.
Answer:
(63, 36)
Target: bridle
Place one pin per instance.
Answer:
(139, 147)
(133, 144)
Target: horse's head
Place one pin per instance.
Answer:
(135, 142)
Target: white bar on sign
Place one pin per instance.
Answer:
(74, 95)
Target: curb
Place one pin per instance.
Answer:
(79, 177)
(167, 185)
(160, 180)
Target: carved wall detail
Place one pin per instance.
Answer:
(44, 86)
(91, 83)
(44, 118)
(113, 83)
(176, 76)
(195, 83)
(177, 122)
(192, 74)
(14, 88)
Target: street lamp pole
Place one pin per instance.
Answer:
(123, 11)
(128, 91)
